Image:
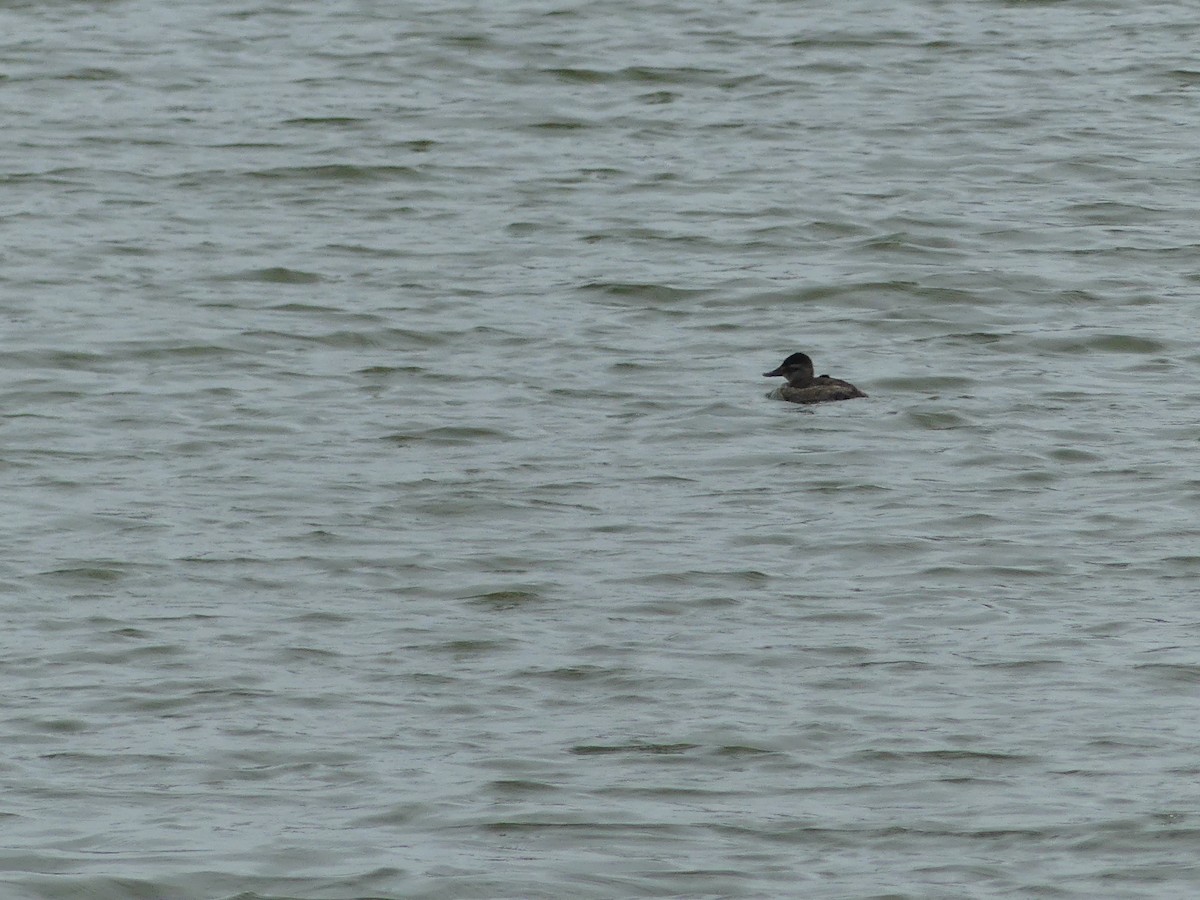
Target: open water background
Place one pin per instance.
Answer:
(391, 506)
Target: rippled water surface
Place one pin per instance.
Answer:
(392, 503)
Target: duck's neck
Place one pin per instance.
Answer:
(802, 377)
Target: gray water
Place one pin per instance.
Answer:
(392, 505)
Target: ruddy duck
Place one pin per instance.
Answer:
(802, 387)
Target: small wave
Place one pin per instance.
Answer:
(339, 172)
(273, 275)
(1104, 343)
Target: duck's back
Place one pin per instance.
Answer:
(822, 390)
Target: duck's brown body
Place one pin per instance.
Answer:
(802, 387)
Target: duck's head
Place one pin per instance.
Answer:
(797, 368)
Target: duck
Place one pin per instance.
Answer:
(802, 387)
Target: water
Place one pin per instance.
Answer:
(392, 506)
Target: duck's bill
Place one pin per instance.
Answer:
(774, 374)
